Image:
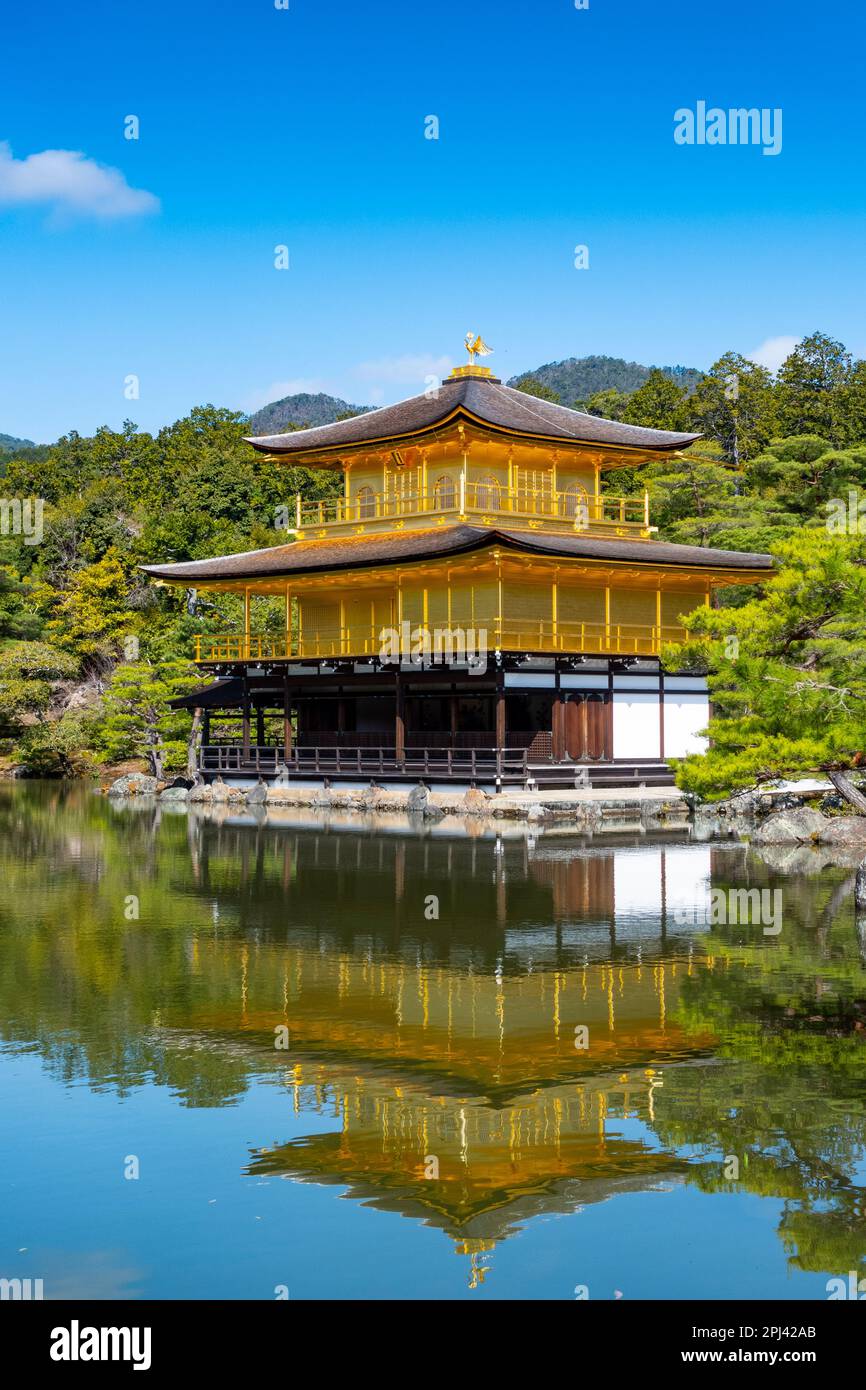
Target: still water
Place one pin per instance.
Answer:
(251, 1058)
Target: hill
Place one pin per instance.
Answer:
(577, 378)
(301, 410)
(11, 444)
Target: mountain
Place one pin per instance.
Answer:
(301, 410)
(579, 377)
(10, 443)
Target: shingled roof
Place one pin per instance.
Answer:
(477, 399)
(315, 557)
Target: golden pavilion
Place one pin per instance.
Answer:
(476, 605)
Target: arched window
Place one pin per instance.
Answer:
(488, 495)
(443, 494)
(577, 504)
(366, 499)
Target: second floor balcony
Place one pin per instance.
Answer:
(486, 503)
(498, 633)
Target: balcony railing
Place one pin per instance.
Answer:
(504, 634)
(362, 760)
(460, 498)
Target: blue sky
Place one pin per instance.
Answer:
(305, 127)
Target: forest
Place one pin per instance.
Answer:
(91, 651)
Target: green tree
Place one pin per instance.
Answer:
(92, 617)
(533, 387)
(803, 473)
(659, 404)
(138, 720)
(734, 404)
(812, 383)
(609, 404)
(27, 671)
(788, 670)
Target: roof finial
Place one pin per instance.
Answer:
(476, 347)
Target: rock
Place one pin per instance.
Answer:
(219, 790)
(322, 798)
(802, 824)
(174, 793)
(433, 812)
(418, 800)
(133, 784)
(257, 795)
(844, 830)
(475, 803)
(201, 792)
(535, 812)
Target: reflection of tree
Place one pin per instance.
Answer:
(789, 1102)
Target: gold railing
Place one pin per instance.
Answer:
(504, 634)
(577, 508)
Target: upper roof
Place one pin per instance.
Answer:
(482, 399)
(312, 557)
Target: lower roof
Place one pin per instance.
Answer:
(394, 547)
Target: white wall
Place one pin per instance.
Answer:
(684, 715)
(636, 732)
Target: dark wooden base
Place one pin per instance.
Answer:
(501, 767)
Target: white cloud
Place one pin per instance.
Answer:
(772, 352)
(400, 370)
(278, 390)
(67, 182)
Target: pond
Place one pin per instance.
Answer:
(265, 1055)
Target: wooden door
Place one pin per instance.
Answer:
(585, 719)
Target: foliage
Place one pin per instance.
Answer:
(92, 617)
(58, 748)
(27, 670)
(533, 387)
(137, 716)
(787, 670)
(576, 379)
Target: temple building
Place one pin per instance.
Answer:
(477, 604)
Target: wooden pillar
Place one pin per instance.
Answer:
(500, 713)
(245, 716)
(287, 718)
(558, 729)
(452, 709)
(247, 633)
(400, 720)
(205, 734)
(260, 725)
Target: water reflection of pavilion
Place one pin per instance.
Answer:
(493, 892)
(470, 1169)
(447, 1052)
